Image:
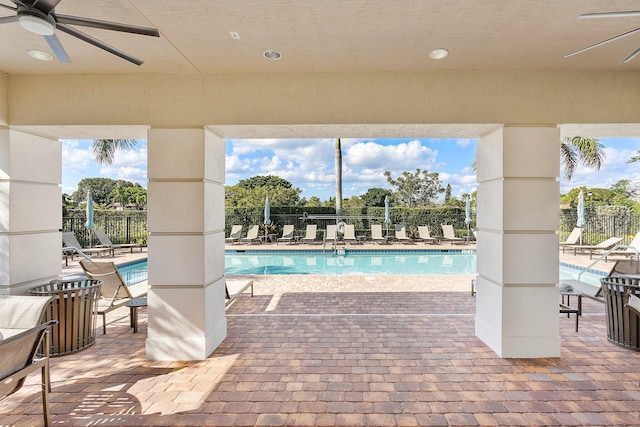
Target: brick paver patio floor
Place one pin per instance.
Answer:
(345, 351)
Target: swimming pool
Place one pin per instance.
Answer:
(354, 262)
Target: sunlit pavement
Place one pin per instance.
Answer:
(348, 351)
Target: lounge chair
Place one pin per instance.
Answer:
(572, 239)
(425, 236)
(592, 249)
(105, 242)
(72, 246)
(114, 292)
(234, 234)
(632, 250)
(233, 288)
(350, 235)
(401, 235)
(287, 234)
(22, 335)
(331, 234)
(310, 236)
(376, 234)
(252, 235)
(448, 235)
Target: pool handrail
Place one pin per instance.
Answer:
(606, 254)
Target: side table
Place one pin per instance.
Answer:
(133, 305)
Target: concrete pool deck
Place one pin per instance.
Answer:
(346, 351)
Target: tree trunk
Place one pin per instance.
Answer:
(338, 177)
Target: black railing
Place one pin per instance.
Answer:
(600, 227)
(130, 228)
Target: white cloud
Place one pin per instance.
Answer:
(75, 158)
(614, 169)
(127, 173)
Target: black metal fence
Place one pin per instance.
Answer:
(123, 227)
(600, 227)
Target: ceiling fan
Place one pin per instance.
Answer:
(619, 36)
(39, 17)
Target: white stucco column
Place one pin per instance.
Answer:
(518, 199)
(186, 244)
(30, 210)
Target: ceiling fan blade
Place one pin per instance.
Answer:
(6, 19)
(57, 49)
(19, 3)
(105, 25)
(610, 14)
(619, 36)
(97, 43)
(630, 57)
(45, 6)
(15, 9)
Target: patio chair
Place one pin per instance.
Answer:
(72, 246)
(234, 235)
(401, 235)
(105, 242)
(632, 250)
(350, 235)
(376, 234)
(310, 235)
(449, 235)
(233, 288)
(331, 234)
(114, 292)
(592, 249)
(252, 235)
(22, 335)
(425, 236)
(572, 239)
(287, 234)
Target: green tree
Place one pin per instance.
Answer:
(447, 194)
(257, 181)
(580, 151)
(353, 202)
(313, 202)
(238, 197)
(67, 204)
(375, 196)
(104, 150)
(101, 189)
(417, 189)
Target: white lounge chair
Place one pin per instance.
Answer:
(592, 249)
(572, 239)
(401, 235)
(376, 234)
(287, 234)
(234, 234)
(450, 236)
(331, 234)
(310, 236)
(425, 236)
(350, 235)
(105, 242)
(252, 235)
(72, 245)
(632, 250)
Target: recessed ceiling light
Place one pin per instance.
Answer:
(273, 55)
(40, 55)
(438, 53)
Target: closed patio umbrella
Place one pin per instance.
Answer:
(580, 222)
(90, 225)
(267, 215)
(387, 213)
(467, 213)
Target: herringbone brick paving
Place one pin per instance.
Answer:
(325, 351)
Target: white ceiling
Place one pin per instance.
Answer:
(335, 36)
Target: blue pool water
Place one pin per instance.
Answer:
(365, 262)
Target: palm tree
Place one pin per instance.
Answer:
(580, 150)
(104, 150)
(574, 151)
(338, 177)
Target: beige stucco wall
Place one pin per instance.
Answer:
(339, 98)
(4, 93)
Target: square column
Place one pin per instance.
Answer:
(186, 244)
(30, 210)
(518, 198)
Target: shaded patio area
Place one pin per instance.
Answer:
(350, 350)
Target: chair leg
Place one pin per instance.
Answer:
(46, 381)
(104, 323)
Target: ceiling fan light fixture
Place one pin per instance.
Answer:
(439, 53)
(40, 55)
(273, 55)
(37, 25)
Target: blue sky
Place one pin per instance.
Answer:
(309, 163)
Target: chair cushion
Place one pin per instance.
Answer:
(21, 311)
